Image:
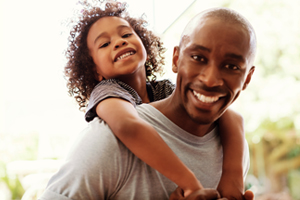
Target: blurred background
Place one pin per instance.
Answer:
(38, 120)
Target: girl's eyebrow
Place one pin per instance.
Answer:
(104, 33)
(99, 36)
(123, 26)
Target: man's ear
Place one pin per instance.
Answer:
(249, 76)
(175, 59)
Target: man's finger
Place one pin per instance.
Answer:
(204, 194)
(249, 195)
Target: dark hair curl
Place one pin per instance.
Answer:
(80, 70)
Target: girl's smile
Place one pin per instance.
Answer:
(116, 49)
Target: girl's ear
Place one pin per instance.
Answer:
(175, 59)
(99, 77)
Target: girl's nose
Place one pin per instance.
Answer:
(120, 43)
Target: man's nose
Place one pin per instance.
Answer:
(210, 75)
(119, 43)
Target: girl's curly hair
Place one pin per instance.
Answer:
(80, 70)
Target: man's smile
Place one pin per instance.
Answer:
(206, 99)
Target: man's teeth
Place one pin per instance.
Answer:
(205, 99)
(124, 55)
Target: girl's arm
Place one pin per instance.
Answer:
(143, 141)
(231, 127)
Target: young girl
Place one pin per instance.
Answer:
(112, 61)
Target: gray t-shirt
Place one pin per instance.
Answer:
(101, 167)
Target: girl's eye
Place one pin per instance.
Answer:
(198, 58)
(232, 67)
(126, 35)
(105, 45)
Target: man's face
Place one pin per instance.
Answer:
(213, 65)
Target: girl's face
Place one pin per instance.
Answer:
(116, 49)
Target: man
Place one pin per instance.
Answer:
(214, 63)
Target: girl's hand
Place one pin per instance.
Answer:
(202, 194)
(231, 187)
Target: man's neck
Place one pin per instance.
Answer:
(174, 112)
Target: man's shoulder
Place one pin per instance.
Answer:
(151, 115)
(96, 134)
(146, 110)
(144, 107)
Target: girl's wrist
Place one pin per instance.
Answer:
(232, 170)
(190, 182)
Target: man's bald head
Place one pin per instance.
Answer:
(225, 15)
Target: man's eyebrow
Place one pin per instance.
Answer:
(235, 56)
(119, 28)
(230, 55)
(200, 47)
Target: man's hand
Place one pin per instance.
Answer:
(202, 194)
(205, 194)
(248, 195)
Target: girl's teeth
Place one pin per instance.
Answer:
(205, 99)
(124, 55)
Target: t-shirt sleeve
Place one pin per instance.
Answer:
(107, 89)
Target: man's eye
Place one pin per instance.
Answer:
(126, 35)
(232, 67)
(198, 58)
(105, 45)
